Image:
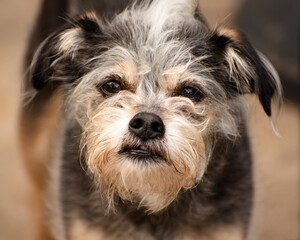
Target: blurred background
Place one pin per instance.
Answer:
(271, 25)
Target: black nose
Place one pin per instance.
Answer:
(147, 126)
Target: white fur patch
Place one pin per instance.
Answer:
(161, 13)
(165, 12)
(70, 40)
(239, 69)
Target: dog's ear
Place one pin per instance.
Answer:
(248, 70)
(55, 60)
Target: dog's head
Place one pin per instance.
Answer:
(152, 89)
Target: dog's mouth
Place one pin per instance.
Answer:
(142, 152)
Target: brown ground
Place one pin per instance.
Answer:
(276, 159)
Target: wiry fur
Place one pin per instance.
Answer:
(182, 160)
(154, 49)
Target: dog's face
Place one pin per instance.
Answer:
(151, 90)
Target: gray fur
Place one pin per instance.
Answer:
(157, 41)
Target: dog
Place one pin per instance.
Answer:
(133, 125)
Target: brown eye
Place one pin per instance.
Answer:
(111, 87)
(191, 93)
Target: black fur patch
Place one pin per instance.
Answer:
(41, 71)
(89, 25)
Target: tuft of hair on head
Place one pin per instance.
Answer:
(158, 14)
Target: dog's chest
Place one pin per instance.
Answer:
(81, 230)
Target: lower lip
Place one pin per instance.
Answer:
(142, 156)
(141, 153)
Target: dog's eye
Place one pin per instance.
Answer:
(111, 87)
(191, 93)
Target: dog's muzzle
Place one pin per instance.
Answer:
(146, 129)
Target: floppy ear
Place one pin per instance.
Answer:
(55, 60)
(248, 70)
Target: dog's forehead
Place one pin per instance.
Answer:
(162, 28)
(154, 48)
(151, 47)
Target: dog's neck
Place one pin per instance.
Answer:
(210, 192)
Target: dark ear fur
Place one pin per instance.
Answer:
(249, 71)
(40, 67)
(54, 59)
